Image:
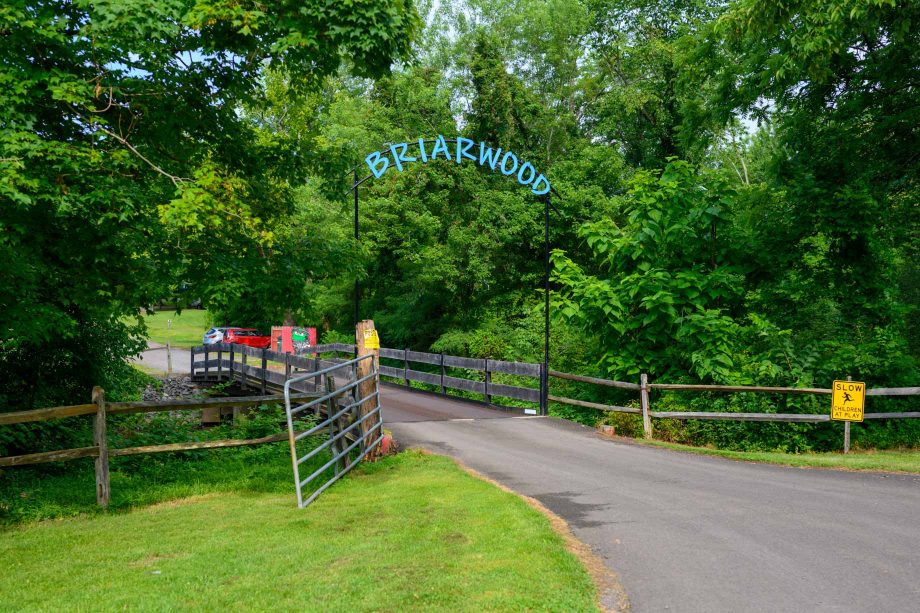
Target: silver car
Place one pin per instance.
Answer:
(214, 336)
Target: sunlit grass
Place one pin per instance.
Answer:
(412, 532)
(186, 330)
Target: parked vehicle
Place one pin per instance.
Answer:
(248, 336)
(214, 336)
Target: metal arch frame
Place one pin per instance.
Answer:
(547, 199)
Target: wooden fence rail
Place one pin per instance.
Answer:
(100, 450)
(645, 405)
(225, 362)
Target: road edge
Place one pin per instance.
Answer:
(611, 595)
(715, 453)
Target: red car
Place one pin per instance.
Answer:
(247, 336)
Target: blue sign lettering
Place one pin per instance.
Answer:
(494, 159)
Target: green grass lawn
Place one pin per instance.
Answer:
(411, 532)
(186, 330)
(892, 461)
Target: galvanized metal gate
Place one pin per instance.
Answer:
(345, 438)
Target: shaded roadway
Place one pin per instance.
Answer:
(694, 533)
(399, 404)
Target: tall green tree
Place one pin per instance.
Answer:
(660, 287)
(639, 83)
(837, 83)
(128, 164)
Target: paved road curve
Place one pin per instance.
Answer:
(693, 533)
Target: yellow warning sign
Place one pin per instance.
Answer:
(848, 400)
(371, 340)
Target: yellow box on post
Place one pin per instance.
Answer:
(848, 400)
(371, 339)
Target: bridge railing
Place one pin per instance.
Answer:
(445, 370)
(267, 369)
(263, 369)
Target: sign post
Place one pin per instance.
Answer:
(168, 347)
(848, 403)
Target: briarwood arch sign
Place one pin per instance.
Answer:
(505, 162)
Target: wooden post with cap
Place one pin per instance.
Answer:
(101, 442)
(364, 329)
(644, 403)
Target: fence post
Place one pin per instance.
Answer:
(206, 362)
(544, 389)
(334, 429)
(287, 366)
(316, 380)
(365, 389)
(191, 363)
(99, 439)
(443, 389)
(488, 378)
(846, 430)
(643, 401)
(264, 371)
(243, 367)
(406, 367)
(220, 362)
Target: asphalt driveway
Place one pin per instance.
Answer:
(694, 533)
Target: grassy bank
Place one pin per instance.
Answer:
(186, 329)
(68, 489)
(410, 532)
(891, 461)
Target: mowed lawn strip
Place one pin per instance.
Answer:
(186, 330)
(410, 532)
(889, 461)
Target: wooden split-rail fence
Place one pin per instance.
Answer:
(474, 376)
(100, 410)
(267, 371)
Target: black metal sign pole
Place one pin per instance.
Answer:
(547, 203)
(357, 282)
(544, 400)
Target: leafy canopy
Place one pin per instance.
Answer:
(128, 150)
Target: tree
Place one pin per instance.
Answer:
(127, 164)
(660, 285)
(836, 81)
(639, 83)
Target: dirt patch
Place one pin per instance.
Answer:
(611, 595)
(181, 502)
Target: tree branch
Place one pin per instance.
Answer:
(175, 179)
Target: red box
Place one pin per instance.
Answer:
(293, 339)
